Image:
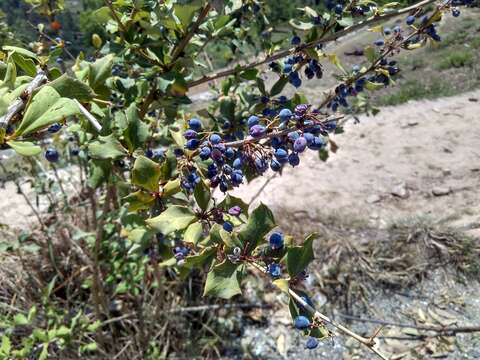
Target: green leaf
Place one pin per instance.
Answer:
(374, 86)
(25, 148)
(300, 25)
(298, 257)
(171, 188)
(5, 347)
(46, 108)
(146, 173)
(333, 58)
(282, 284)
(72, 88)
(185, 13)
(175, 218)
(202, 195)
(44, 354)
(89, 347)
(345, 21)
(106, 147)
(249, 74)
(20, 320)
(223, 280)
(370, 54)
(24, 52)
(100, 71)
(139, 200)
(278, 86)
(193, 233)
(136, 132)
(260, 222)
(101, 15)
(25, 63)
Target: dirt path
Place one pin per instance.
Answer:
(418, 159)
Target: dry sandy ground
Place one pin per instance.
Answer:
(413, 150)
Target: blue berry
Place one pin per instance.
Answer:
(178, 152)
(285, 115)
(205, 153)
(410, 20)
(276, 240)
(54, 128)
(192, 144)
(455, 12)
(235, 210)
(74, 152)
(281, 155)
(295, 40)
(309, 137)
(237, 163)
(275, 165)
(274, 270)
(293, 159)
(195, 124)
(215, 139)
(338, 9)
(257, 131)
(293, 135)
(379, 42)
(287, 68)
(237, 177)
(387, 31)
(51, 155)
(229, 153)
(317, 143)
(190, 134)
(300, 144)
(228, 226)
(59, 60)
(312, 343)
(301, 322)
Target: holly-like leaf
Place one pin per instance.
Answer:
(223, 280)
(139, 200)
(106, 147)
(72, 88)
(193, 233)
(278, 86)
(146, 173)
(25, 148)
(185, 14)
(100, 70)
(46, 108)
(202, 195)
(136, 132)
(260, 222)
(25, 63)
(175, 218)
(298, 257)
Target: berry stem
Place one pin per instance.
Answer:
(321, 40)
(368, 342)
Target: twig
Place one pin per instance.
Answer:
(368, 342)
(177, 50)
(89, 116)
(284, 53)
(442, 330)
(218, 306)
(19, 104)
(117, 19)
(250, 139)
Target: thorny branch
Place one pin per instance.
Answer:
(284, 53)
(368, 342)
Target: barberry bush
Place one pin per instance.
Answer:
(156, 170)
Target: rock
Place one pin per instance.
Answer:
(441, 191)
(400, 191)
(372, 199)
